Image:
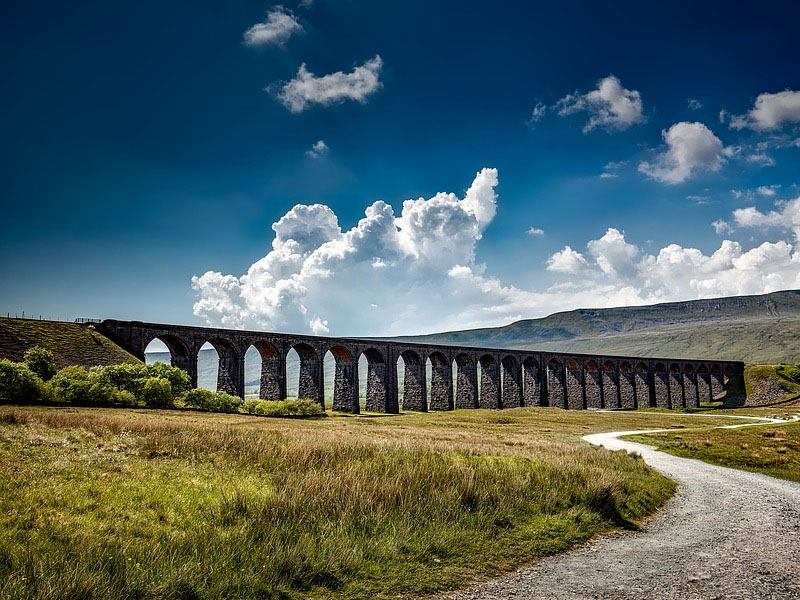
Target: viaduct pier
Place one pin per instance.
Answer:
(508, 377)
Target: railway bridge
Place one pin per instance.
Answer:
(461, 376)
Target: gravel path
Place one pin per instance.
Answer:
(726, 534)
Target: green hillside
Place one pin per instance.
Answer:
(70, 343)
(755, 329)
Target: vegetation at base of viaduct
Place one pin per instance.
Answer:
(508, 378)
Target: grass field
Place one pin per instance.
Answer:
(773, 450)
(115, 503)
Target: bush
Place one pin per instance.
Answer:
(287, 408)
(40, 361)
(78, 386)
(207, 400)
(20, 385)
(179, 380)
(132, 377)
(157, 392)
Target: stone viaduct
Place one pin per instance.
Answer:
(508, 378)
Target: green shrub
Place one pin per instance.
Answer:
(71, 384)
(20, 385)
(249, 406)
(179, 380)
(157, 392)
(80, 387)
(132, 377)
(287, 408)
(40, 361)
(201, 399)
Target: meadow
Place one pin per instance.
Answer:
(135, 503)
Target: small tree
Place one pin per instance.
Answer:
(40, 361)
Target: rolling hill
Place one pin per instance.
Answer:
(756, 329)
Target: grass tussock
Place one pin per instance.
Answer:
(126, 504)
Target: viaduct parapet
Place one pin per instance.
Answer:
(508, 378)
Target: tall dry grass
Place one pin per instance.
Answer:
(135, 506)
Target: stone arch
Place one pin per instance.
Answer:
(575, 399)
(690, 393)
(676, 399)
(230, 366)
(489, 392)
(310, 384)
(592, 384)
(272, 371)
(703, 383)
(377, 375)
(180, 355)
(556, 392)
(661, 385)
(345, 380)
(414, 389)
(643, 389)
(511, 380)
(441, 382)
(531, 383)
(466, 382)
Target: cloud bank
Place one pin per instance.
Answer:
(417, 271)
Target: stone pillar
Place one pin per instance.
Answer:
(644, 387)
(592, 385)
(531, 383)
(229, 372)
(414, 392)
(675, 379)
(490, 384)
(575, 392)
(703, 386)
(273, 378)
(628, 387)
(345, 387)
(512, 384)
(610, 386)
(376, 387)
(186, 363)
(690, 388)
(661, 386)
(466, 383)
(311, 383)
(556, 392)
(717, 382)
(441, 383)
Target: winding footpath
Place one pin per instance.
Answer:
(726, 534)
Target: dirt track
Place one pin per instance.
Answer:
(726, 534)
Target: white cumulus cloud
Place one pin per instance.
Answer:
(770, 111)
(722, 227)
(690, 147)
(416, 271)
(276, 30)
(787, 218)
(609, 106)
(307, 88)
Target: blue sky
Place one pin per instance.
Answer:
(145, 144)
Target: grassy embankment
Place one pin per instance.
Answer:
(70, 343)
(118, 503)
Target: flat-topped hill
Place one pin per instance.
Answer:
(70, 343)
(756, 329)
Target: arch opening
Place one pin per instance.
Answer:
(171, 350)
(218, 367)
(308, 375)
(261, 376)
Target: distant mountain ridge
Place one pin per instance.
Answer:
(762, 328)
